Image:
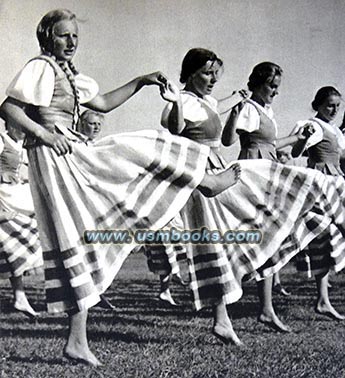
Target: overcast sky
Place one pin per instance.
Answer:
(121, 39)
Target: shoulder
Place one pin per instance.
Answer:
(34, 84)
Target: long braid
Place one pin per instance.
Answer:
(70, 72)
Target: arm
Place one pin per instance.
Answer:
(14, 110)
(173, 118)
(109, 101)
(229, 135)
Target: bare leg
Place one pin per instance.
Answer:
(222, 326)
(165, 294)
(211, 185)
(267, 314)
(323, 304)
(21, 302)
(77, 347)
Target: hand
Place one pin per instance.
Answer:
(59, 143)
(155, 78)
(305, 132)
(236, 110)
(170, 92)
(242, 92)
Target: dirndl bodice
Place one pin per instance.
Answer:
(207, 132)
(58, 116)
(259, 144)
(324, 156)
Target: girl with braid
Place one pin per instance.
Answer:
(126, 182)
(139, 180)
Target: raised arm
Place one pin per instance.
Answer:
(172, 117)
(229, 135)
(106, 102)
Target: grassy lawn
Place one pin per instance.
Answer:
(144, 338)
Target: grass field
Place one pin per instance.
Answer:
(143, 338)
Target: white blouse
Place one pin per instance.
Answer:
(191, 107)
(34, 84)
(249, 117)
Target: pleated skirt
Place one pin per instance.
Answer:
(20, 249)
(130, 182)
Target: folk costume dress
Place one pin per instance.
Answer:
(142, 180)
(277, 200)
(127, 182)
(19, 243)
(324, 149)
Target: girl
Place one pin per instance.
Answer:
(257, 202)
(137, 180)
(326, 147)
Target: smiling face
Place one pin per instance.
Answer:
(65, 39)
(328, 110)
(202, 81)
(265, 93)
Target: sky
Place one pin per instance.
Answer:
(123, 39)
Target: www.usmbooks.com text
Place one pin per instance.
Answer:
(173, 236)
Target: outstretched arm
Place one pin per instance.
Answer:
(106, 102)
(298, 140)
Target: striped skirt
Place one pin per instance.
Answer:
(165, 259)
(130, 182)
(20, 249)
(289, 205)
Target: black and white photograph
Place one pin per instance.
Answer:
(172, 190)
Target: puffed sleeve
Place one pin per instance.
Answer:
(341, 139)
(191, 107)
(34, 84)
(248, 119)
(87, 88)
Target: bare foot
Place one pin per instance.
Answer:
(328, 310)
(233, 174)
(178, 279)
(278, 288)
(24, 306)
(274, 322)
(105, 303)
(212, 185)
(78, 354)
(226, 335)
(166, 297)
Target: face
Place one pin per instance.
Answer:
(328, 110)
(92, 125)
(267, 91)
(204, 79)
(65, 39)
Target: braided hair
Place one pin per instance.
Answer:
(70, 71)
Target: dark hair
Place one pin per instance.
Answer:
(44, 31)
(262, 73)
(322, 94)
(195, 59)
